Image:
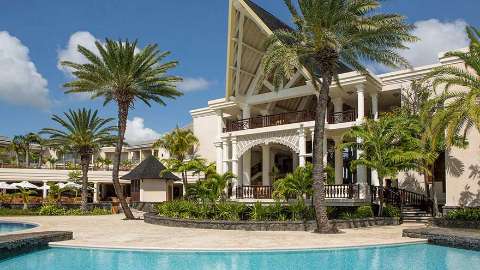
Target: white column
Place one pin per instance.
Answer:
(95, 192)
(140, 155)
(360, 103)
(245, 111)
(225, 154)
(44, 191)
(338, 108)
(219, 157)
(246, 167)
(235, 170)
(338, 161)
(375, 181)
(303, 146)
(375, 105)
(362, 176)
(266, 166)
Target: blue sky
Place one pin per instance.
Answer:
(38, 32)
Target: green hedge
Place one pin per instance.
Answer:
(259, 212)
(467, 214)
(235, 211)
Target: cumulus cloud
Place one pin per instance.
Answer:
(70, 52)
(20, 82)
(435, 37)
(136, 132)
(194, 84)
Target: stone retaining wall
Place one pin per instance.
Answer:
(310, 225)
(465, 224)
(445, 237)
(14, 244)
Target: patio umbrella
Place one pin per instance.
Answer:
(69, 185)
(24, 184)
(4, 185)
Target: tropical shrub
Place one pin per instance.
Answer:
(467, 214)
(391, 211)
(364, 211)
(51, 210)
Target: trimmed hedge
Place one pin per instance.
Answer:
(466, 214)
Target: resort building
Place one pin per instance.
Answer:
(260, 133)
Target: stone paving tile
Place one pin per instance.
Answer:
(112, 231)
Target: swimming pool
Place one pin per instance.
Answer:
(408, 257)
(7, 226)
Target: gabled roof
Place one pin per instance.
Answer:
(150, 168)
(268, 18)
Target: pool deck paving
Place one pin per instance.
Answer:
(113, 232)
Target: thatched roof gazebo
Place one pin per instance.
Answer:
(150, 181)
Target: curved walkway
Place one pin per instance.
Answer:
(113, 232)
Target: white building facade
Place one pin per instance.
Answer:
(261, 133)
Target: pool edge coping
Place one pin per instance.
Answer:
(153, 249)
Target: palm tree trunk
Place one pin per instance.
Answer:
(184, 179)
(27, 157)
(434, 194)
(323, 225)
(40, 157)
(17, 157)
(85, 160)
(380, 195)
(122, 125)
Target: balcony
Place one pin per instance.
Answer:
(348, 191)
(287, 118)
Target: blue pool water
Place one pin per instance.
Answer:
(6, 227)
(408, 257)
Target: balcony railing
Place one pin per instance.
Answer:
(342, 117)
(349, 191)
(270, 120)
(287, 118)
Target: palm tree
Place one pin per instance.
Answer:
(17, 147)
(52, 161)
(463, 106)
(29, 139)
(388, 146)
(25, 195)
(327, 32)
(122, 75)
(180, 144)
(84, 131)
(218, 184)
(295, 185)
(423, 106)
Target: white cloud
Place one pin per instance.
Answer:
(136, 132)
(435, 37)
(20, 82)
(70, 53)
(194, 84)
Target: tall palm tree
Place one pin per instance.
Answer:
(16, 145)
(422, 105)
(388, 145)
(122, 75)
(327, 32)
(84, 131)
(181, 145)
(463, 106)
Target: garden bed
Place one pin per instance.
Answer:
(310, 225)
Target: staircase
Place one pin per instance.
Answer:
(411, 214)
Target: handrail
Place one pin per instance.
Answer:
(347, 191)
(401, 197)
(287, 118)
